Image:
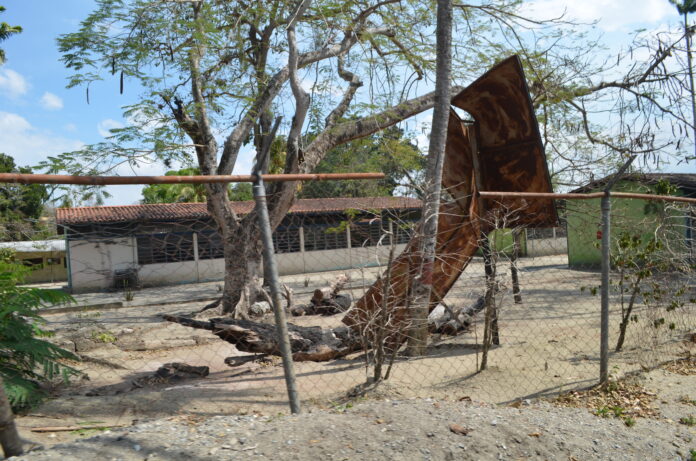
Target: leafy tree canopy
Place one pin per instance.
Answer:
(20, 205)
(5, 31)
(388, 151)
(178, 193)
(685, 6)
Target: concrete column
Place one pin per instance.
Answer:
(302, 249)
(195, 256)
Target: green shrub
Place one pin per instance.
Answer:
(26, 359)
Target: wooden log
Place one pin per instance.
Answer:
(330, 292)
(307, 343)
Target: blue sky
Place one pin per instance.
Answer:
(40, 117)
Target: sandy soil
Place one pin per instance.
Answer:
(549, 344)
(384, 428)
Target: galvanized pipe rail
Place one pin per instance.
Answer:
(588, 196)
(20, 178)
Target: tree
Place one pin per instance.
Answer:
(20, 205)
(6, 31)
(684, 8)
(219, 76)
(188, 193)
(423, 282)
(388, 152)
(204, 74)
(172, 193)
(27, 359)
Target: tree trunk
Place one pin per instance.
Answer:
(691, 75)
(514, 273)
(243, 256)
(626, 317)
(9, 437)
(422, 286)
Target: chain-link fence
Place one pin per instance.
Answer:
(522, 320)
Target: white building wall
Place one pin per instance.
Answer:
(167, 273)
(93, 262)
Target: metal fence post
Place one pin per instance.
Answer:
(604, 332)
(272, 270)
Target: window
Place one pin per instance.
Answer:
(367, 233)
(287, 240)
(33, 262)
(324, 238)
(210, 245)
(165, 248)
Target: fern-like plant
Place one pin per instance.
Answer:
(26, 359)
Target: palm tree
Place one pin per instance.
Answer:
(5, 31)
(684, 8)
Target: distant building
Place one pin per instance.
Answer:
(45, 257)
(631, 215)
(163, 244)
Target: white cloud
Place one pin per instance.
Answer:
(12, 84)
(29, 145)
(105, 125)
(50, 101)
(70, 127)
(612, 15)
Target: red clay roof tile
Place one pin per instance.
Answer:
(182, 211)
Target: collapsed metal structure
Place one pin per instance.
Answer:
(500, 150)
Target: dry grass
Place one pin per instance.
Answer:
(684, 367)
(625, 399)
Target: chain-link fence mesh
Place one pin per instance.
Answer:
(527, 301)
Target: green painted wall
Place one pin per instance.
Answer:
(502, 242)
(631, 215)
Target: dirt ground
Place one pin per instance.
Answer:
(386, 428)
(549, 344)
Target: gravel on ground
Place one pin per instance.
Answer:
(418, 429)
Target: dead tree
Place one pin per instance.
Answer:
(312, 344)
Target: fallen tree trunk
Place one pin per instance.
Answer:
(306, 343)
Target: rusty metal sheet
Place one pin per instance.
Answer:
(457, 242)
(505, 138)
(510, 150)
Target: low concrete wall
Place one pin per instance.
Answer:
(547, 247)
(93, 264)
(168, 273)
